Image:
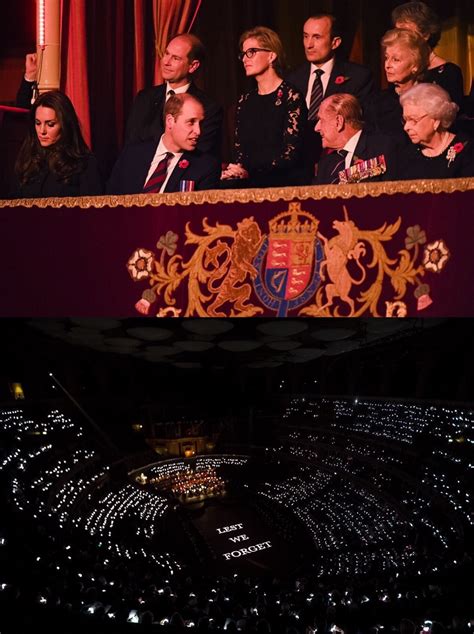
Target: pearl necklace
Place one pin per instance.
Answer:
(432, 152)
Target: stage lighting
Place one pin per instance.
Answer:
(17, 390)
(42, 24)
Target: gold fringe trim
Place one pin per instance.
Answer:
(275, 194)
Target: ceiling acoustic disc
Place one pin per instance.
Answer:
(284, 346)
(269, 363)
(160, 351)
(97, 323)
(302, 355)
(85, 340)
(79, 331)
(282, 327)
(193, 346)
(333, 334)
(150, 334)
(187, 365)
(339, 347)
(239, 345)
(207, 326)
(122, 342)
(50, 326)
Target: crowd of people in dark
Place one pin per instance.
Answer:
(58, 575)
(322, 123)
(74, 586)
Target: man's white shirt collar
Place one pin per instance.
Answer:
(350, 147)
(160, 153)
(327, 70)
(177, 91)
(326, 67)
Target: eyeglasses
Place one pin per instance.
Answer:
(251, 52)
(412, 120)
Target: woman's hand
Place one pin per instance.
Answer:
(31, 67)
(234, 170)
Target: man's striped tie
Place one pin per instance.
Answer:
(340, 157)
(316, 95)
(156, 180)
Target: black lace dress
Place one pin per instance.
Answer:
(269, 136)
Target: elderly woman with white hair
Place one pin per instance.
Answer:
(435, 152)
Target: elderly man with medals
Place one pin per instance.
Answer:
(353, 154)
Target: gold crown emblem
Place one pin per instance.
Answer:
(294, 223)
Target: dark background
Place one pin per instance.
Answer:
(431, 361)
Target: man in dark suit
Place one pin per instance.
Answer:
(323, 74)
(357, 155)
(173, 164)
(183, 57)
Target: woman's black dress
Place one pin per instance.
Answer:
(45, 184)
(269, 136)
(384, 114)
(448, 76)
(456, 161)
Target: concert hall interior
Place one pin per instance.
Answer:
(236, 331)
(238, 475)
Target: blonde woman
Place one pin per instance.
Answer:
(270, 118)
(406, 56)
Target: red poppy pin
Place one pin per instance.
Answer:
(453, 151)
(278, 102)
(340, 79)
(183, 164)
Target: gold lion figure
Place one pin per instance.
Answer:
(247, 242)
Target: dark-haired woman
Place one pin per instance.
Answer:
(422, 19)
(54, 160)
(270, 118)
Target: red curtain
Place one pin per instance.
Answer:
(140, 31)
(108, 54)
(170, 18)
(74, 80)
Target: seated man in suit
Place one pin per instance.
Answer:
(183, 57)
(172, 164)
(324, 74)
(358, 155)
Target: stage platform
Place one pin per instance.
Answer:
(242, 542)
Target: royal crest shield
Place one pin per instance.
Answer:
(288, 261)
